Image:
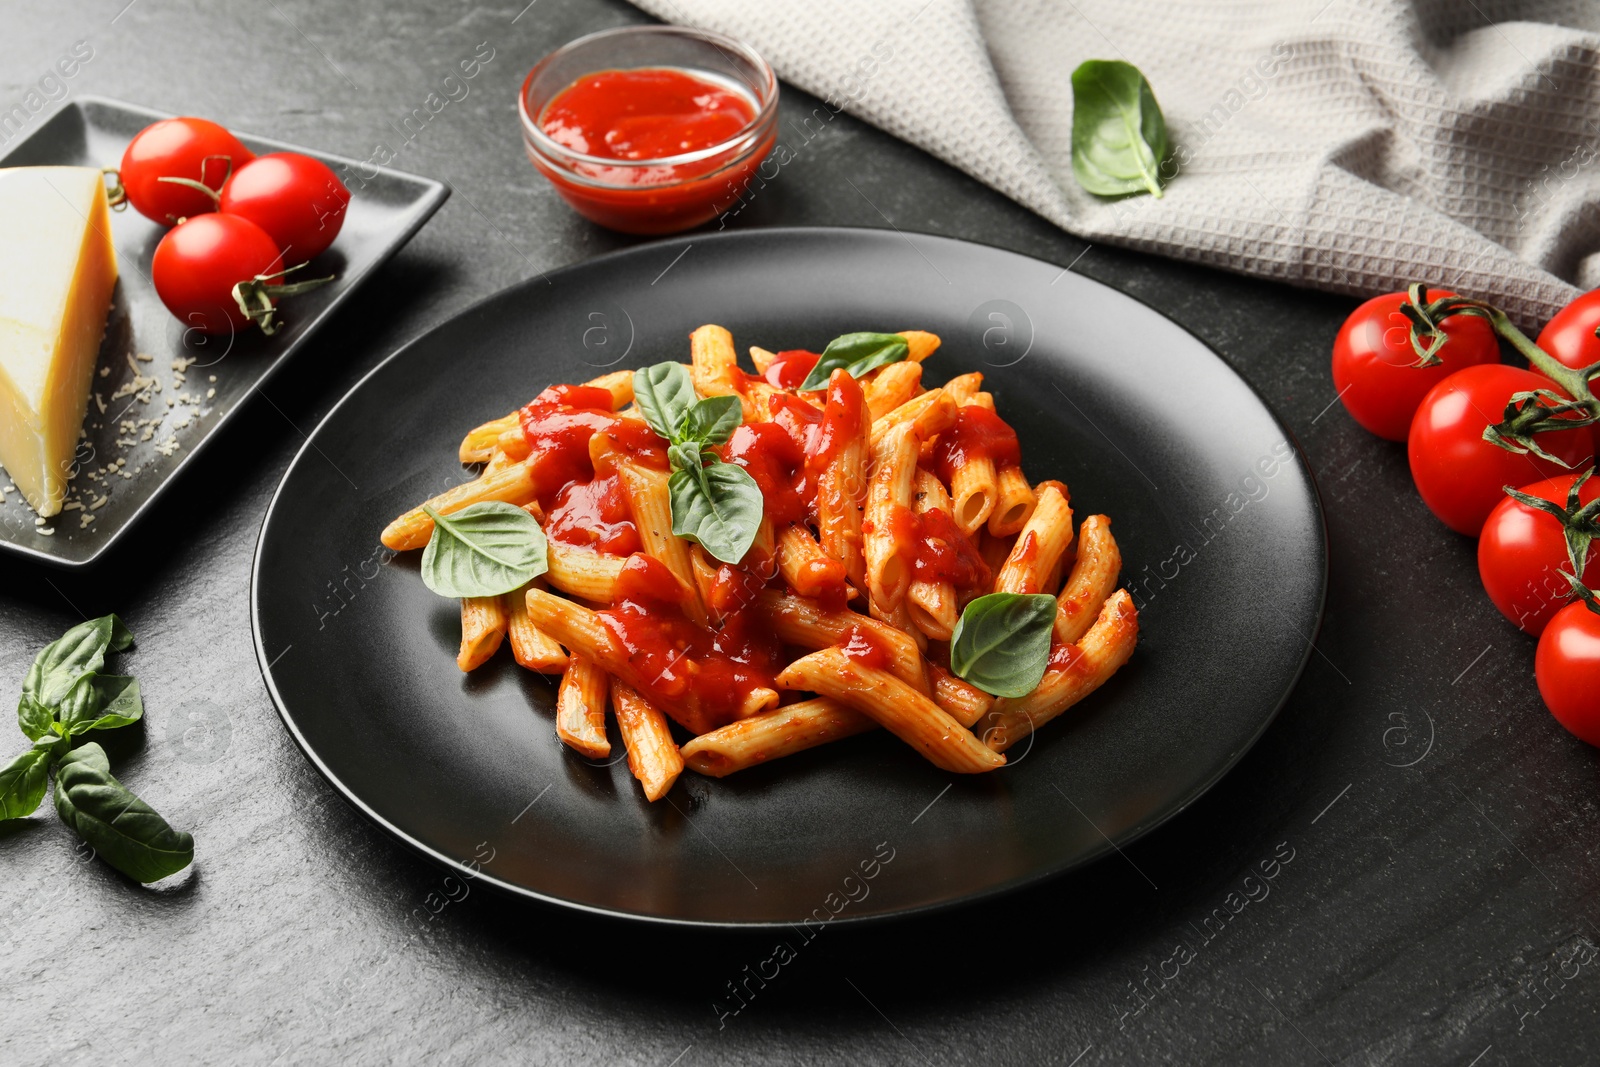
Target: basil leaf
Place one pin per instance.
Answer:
(79, 651)
(101, 702)
(665, 393)
(33, 718)
(1119, 138)
(23, 782)
(124, 830)
(719, 506)
(686, 457)
(1001, 643)
(711, 421)
(857, 353)
(483, 550)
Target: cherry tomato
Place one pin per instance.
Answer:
(1374, 365)
(197, 149)
(1460, 475)
(1567, 667)
(197, 264)
(1570, 337)
(1522, 554)
(296, 199)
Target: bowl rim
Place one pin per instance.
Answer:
(545, 146)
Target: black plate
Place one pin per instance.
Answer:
(90, 132)
(1142, 420)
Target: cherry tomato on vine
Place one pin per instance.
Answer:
(196, 149)
(1374, 365)
(1569, 337)
(1522, 555)
(197, 264)
(1460, 475)
(298, 200)
(1567, 667)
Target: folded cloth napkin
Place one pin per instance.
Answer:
(1348, 145)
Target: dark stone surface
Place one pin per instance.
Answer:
(1431, 913)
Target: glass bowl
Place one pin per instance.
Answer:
(653, 196)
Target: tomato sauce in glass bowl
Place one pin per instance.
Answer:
(650, 129)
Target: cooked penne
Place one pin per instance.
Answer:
(894, 705)
(1014, 502)
(1094, 577)
(646, 489)
(931, 604)
(808, 570)
(773, 735)
(921, 343)
(1095, 658)
(803, 622)
(581, 708)
(583, 572)
(931, 413)
(886, 508)
(893, 386)
(483, 627)
(712, 362)
(1039, 546)
(965, 703)
(889, 560)
(653, 757)
(531, 647)
(842, 481)
(480, 440)
(514, 485)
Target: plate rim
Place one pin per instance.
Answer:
(433, 195)
(990, 893)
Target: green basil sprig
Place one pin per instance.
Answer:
(857, 353)
(714, 503)
(483, 550)
(1119, 137)
(63, 696)
(1001, 643)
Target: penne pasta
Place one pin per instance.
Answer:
(1039, 546)
(842, 481)
(514, 485)
(930, 604)
(531, 647)
(480, 440)
(1095, 658)
(1093, 579)
(483, 627)
(653, 756)
(892, 386)
(646, 489)
(807, 569)
(894, 705)
(773, 735)
(931, 413)
(889, 561)
(582, 572)
(921, 343)
(581, 708)
(761, 358)
(619, 383)
(806, 623)
(963, 387)
(966, 703)
(973, 491)
(1014, 502)
(712, 362)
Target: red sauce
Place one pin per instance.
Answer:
(777, 464)
(1066, 658)
(699, 677)
(594, 514)
(842, 420)
(978, 434)
(558, 424)
(643, 114)
(789, 369)
(864, 647)
(942, 553)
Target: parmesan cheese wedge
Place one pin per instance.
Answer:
(57, 272)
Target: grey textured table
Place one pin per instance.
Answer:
(1426, 824)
